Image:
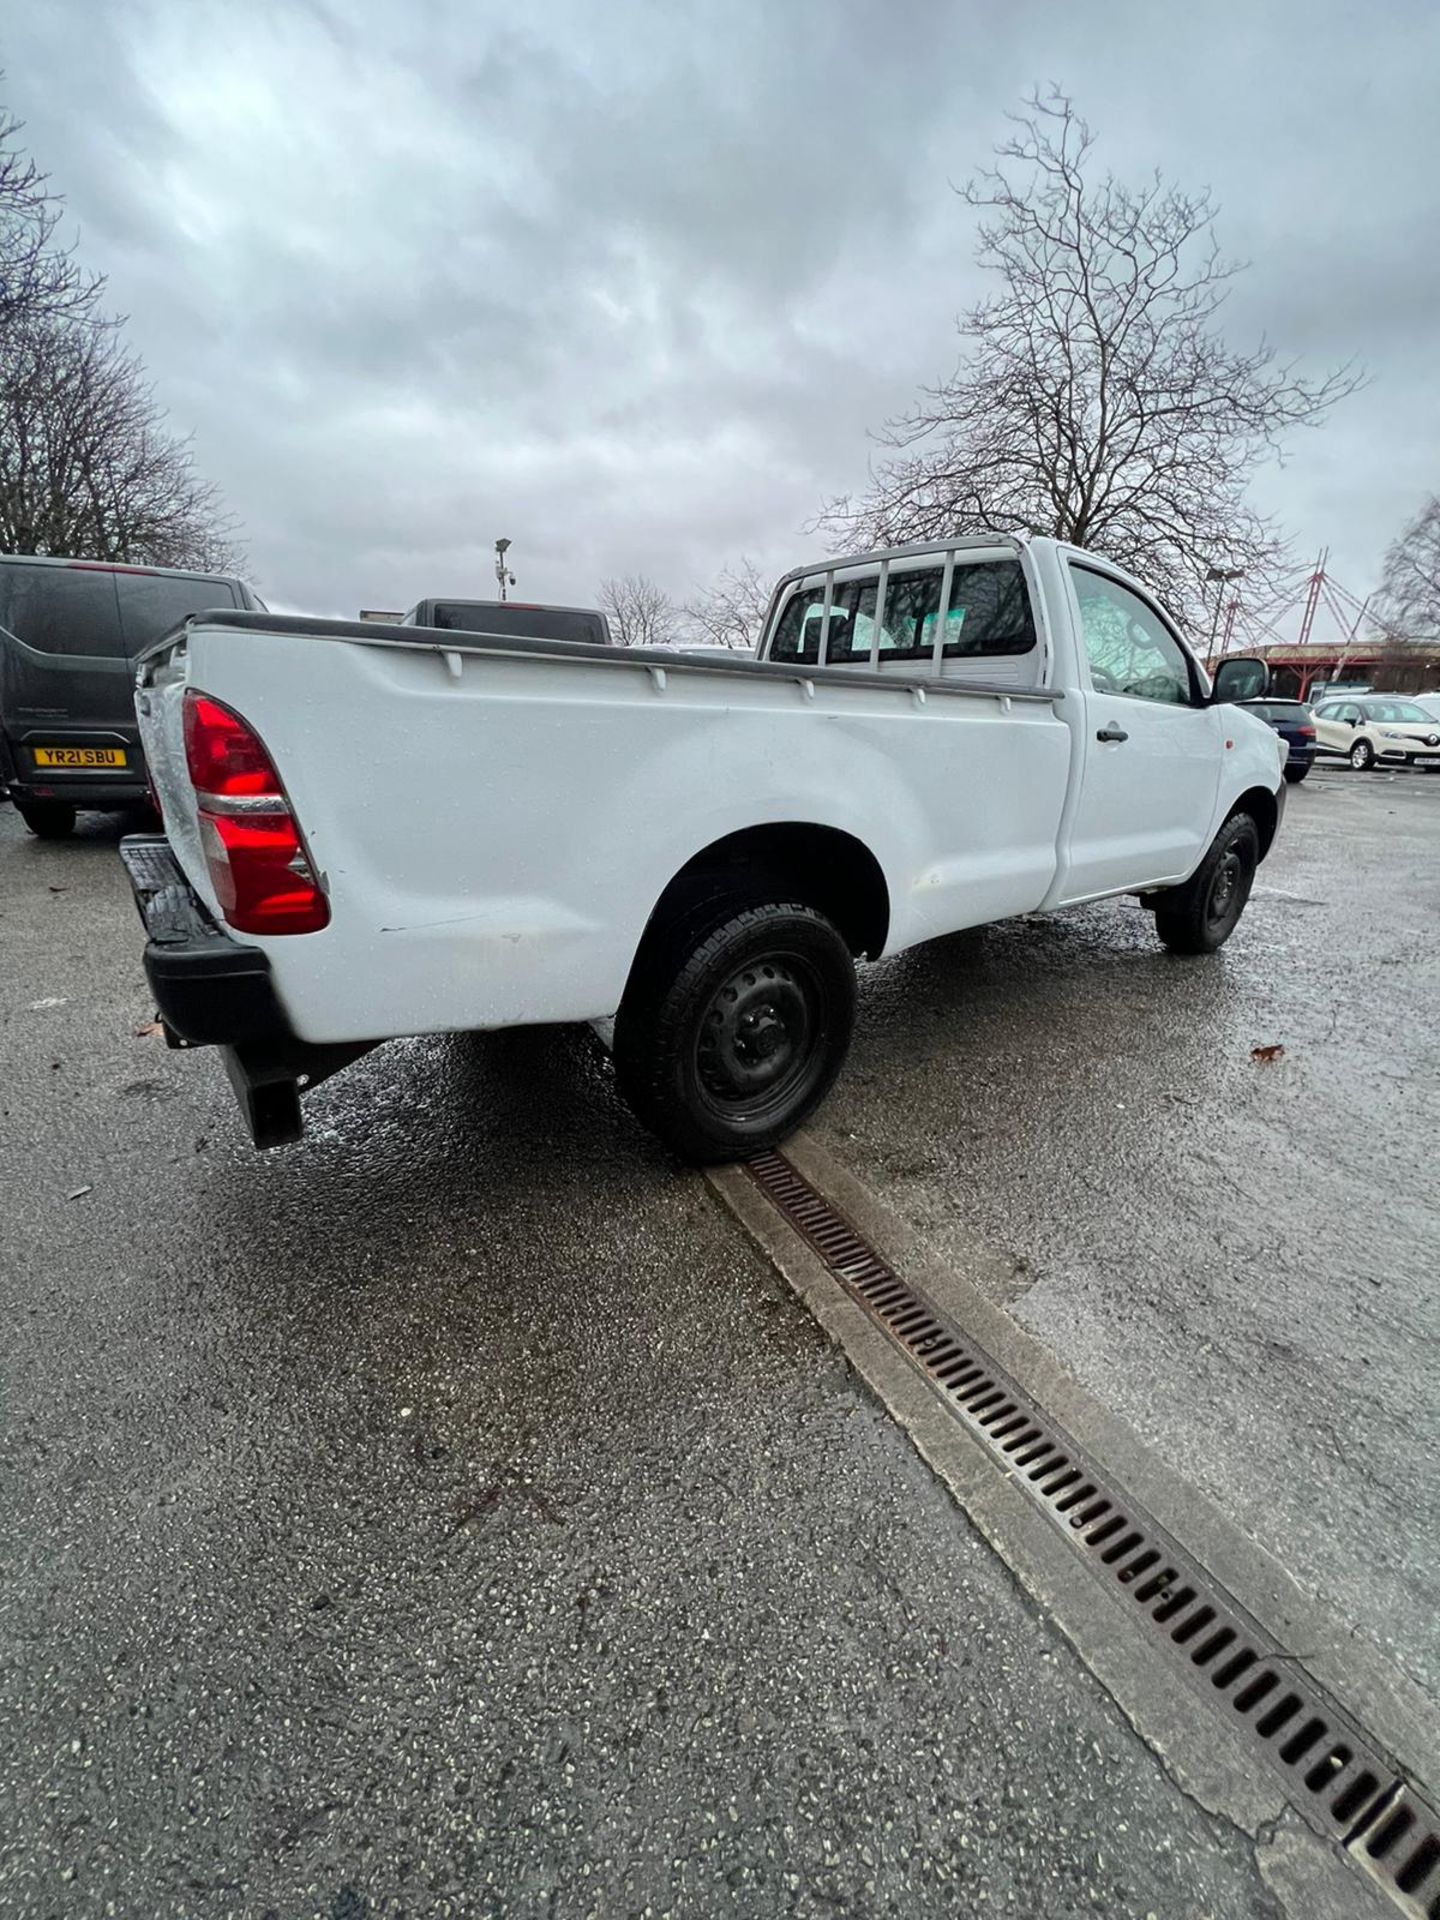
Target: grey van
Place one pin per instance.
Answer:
(69, 630)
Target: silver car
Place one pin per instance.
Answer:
(1370, 727)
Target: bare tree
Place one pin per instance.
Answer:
(731, 612)
(1097, 399)
(38, 275)
(641, 614)
(1408, 604)
(87, 465)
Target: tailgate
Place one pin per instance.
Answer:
(160, 709)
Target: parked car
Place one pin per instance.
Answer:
(1295, 724)
(1375, 727)
(69, 632)
(376, 831)
(1332, 689)
(519, 617)
(1430, 702)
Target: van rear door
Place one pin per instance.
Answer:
(71, 630)
(66, 702)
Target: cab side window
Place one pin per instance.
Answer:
(1130, 649)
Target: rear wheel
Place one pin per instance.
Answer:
(47, 819)
(1201, 915)
(734, 1025)
(1296, 774)
(1362, 756)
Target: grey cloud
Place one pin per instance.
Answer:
(630, 283)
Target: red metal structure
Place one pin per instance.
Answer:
(1346, 650)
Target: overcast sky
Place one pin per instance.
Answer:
(630, 282)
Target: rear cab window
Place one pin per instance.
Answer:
(988, 615)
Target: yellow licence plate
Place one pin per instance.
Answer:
(79, 756)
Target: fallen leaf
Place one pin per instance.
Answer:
(59, 889)
(149, 1030)
(1265, 1055)
(78, 1193)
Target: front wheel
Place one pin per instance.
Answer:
(1200, 915)
(1296, 774)
(1362, 756)
(734, 1025)
(47, 819)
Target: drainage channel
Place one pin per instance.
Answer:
(1334, 1774)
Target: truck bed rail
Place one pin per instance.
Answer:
(657, 660)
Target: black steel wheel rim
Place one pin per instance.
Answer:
(759, 1047)
(1225, 886)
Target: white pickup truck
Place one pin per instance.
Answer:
(376, 830)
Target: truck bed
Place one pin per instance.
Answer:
(494, 819)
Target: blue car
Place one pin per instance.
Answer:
(1295, 724)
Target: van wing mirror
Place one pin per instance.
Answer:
(1244, 678)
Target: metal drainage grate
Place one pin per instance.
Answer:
(1334, 1775)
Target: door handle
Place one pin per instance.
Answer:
(1111, 732)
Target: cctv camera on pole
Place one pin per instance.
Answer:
(502, 571)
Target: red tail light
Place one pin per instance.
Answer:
(1306, 733)
(258, 864)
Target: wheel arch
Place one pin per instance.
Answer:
(1264, 809)
(824, 867)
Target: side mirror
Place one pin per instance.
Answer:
(1240, 679)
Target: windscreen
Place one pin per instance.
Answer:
(527, 623)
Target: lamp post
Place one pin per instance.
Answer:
(1220, 575)
(502, 567)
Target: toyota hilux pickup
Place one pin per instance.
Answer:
(374, 831)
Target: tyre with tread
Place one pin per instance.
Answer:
(1200, 915)
(735, 1022)
(1362, 756)
(47, 819)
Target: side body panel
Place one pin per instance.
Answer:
(494, 830)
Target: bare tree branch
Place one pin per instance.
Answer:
(1408, 604)
(641, 614)
(38, 276)
(1097, 400)
(731, 611)
(87, 464)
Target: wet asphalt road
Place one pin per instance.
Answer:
(1240, 1255)
(453, 1515)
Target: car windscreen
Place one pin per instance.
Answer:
(1292, 710)
(69, 610)
(1398, 713)
(527, 623)
(152, 603)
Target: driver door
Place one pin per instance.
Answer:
(1151, 767)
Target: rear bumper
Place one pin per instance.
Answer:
(215, 991)
(126, 786)
(95, 794)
